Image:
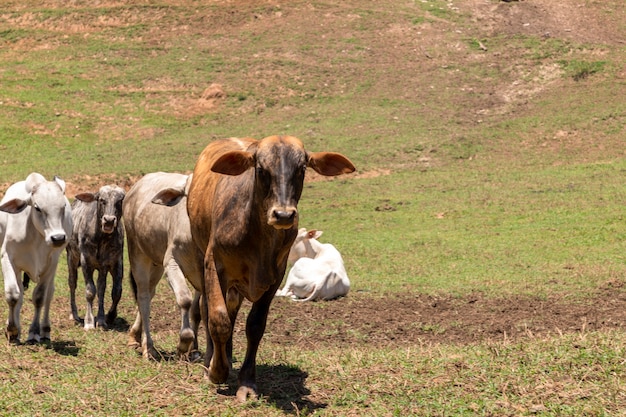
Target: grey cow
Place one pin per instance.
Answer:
(97, 243)
(159, 240)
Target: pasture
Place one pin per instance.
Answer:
(483, 232)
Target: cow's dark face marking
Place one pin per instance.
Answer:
(279, 174)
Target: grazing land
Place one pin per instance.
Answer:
(484, 231)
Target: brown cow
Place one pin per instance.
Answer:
(242, 206)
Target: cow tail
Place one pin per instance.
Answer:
(133, 285)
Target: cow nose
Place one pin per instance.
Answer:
(57, 240)
(109, 219)
(284, 217)
(108, 223)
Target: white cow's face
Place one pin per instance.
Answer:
(48, 206)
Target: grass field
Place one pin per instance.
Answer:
(489, 139)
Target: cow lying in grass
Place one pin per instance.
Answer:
(97, 244)
(318, 272)
(35, 225)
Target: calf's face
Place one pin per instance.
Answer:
(49, 204)
(110, 199)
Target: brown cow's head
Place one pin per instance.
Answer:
(280, 163)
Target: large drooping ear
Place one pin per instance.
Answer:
(330, 163)
(86, 197)
(14, 206)
(169, 196)
(61, 183)
(32, 180)
(233, 163)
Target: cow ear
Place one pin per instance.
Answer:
(168, 197)
(86, 197)
(233, 163)
(314, 234)
(32, 180)
(330, 163)
(61, 183)
(14, 206)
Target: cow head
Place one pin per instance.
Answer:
(301, 247)
(279, 164)
(48, 207)
(109, 210)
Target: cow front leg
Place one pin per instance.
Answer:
(117, 273)
(39, 297)
(255, 328)
(178, 284)
(14, 296)
(90, 294)
(218, 363)
(101, 289)
(45, 320)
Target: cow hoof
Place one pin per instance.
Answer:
(152, 354)
(14, 340)
(218, 376)
(111, 316)
(13, 336)
(102, 325)
(194, 356)
(245, 393)
(46, 342)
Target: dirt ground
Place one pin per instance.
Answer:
(408, 319)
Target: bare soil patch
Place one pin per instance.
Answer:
(409, 319)
(395, 320)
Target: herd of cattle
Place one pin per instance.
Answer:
(229, 229)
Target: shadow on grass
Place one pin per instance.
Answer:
(119, 325)
(65, 347)
(279, 385)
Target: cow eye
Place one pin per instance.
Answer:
(36, 207)
(263, 176)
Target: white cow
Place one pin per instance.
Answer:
(159, 240)
(318, 272)
(36, 223)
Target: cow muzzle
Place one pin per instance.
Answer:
(109, 223)
(58, 240)
(283, 217)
